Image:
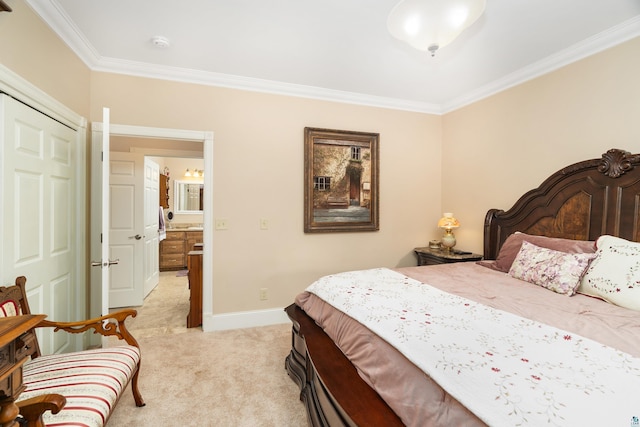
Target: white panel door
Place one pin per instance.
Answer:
(99, 231)
(152, 212)
(38, 223)
(126, 230)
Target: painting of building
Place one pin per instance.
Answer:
(342, 180)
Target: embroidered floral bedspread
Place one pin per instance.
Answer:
(506, 369)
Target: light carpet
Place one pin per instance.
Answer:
(201, 379)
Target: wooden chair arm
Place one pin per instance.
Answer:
(111, 324)
(31, 410)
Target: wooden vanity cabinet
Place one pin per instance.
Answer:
(194, 260)
(193, 237)
(174, 249)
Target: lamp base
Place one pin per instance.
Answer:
(448, 241)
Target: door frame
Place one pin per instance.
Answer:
(206, 137)
(24, 91)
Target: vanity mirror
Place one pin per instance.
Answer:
(188, 196)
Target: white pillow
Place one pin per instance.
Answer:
(551, 269)
(614, 275)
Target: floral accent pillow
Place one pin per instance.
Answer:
(614, 275)
(558, 271)
(512, 245)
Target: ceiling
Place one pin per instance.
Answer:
(336, 49)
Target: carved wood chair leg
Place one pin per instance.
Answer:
(137, 396)
(31, 410)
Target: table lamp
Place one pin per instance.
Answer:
(448, 223)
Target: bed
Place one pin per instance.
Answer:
(577, 221)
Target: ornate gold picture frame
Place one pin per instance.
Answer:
(341, 172)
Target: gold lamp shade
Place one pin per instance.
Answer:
(448, 223)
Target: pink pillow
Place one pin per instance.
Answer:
(512, 245)
(558, 271)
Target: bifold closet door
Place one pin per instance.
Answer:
(37, 196)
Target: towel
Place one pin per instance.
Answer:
(162, 232)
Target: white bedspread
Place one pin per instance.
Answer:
(506, 369)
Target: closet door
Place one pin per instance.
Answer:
(37, 165)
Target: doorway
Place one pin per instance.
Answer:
(164, 307)
(182, 211)
(178, 139)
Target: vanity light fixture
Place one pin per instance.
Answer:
(195, 173)
(429, 25)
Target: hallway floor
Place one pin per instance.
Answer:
(165, 309)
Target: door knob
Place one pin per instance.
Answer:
(105, 264)
(137, 237)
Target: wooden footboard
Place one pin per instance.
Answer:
(330, 387)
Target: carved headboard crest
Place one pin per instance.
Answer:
(616, 162)
(581, 201)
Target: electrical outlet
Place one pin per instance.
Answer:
(222, 224)
(264, 224)
(263, 294)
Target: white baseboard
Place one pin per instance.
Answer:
(243, 319)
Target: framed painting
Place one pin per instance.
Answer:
(341, 171)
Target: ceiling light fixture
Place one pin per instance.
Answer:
(429, 25)
(160, 42)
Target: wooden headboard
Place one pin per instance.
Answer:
(582, 201)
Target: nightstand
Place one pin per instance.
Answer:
(428, 256)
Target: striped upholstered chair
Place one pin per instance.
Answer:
(79, 388)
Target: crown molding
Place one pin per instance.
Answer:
(602, 41)
(133, 68)
(54, 16)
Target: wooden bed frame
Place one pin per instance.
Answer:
(582, 201)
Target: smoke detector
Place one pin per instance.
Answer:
(160, 42)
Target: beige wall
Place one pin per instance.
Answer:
(496, 149)
(258, 143)
(258, 173)
(479, 157)
(32, 50)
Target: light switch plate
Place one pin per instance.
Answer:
(222, 224)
